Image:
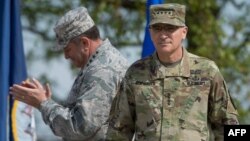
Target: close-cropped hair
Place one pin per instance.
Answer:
(92, 33)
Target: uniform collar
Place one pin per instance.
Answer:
(100, 50)
(96, 55)
(182, 69)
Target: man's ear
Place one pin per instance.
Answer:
(85, 43)
(184, 32)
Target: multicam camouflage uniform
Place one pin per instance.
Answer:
(188, 101)
(86, 110)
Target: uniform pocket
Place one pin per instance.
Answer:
(150, 97)
(193, 130)
(148, 108)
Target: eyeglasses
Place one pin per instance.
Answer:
(166, 28)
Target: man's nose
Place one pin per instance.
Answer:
(164, 33)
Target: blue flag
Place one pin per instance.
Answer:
(148, 47)
(12, 70)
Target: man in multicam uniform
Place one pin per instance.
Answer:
(172, 95)
(85, 113)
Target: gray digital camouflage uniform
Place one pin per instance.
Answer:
(84, 116)
(188, 101)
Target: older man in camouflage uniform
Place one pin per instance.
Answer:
(85, 113)
(172, 95)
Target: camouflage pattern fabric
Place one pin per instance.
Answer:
(171, 13)
(188, 101)
(85, 113)
(71, 25)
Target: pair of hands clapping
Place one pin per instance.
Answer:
(31, 92)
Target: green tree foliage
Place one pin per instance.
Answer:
(215, 32)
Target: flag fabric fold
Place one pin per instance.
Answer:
(16, 118)
(148, 47)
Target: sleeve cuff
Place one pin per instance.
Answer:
(45, 108)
